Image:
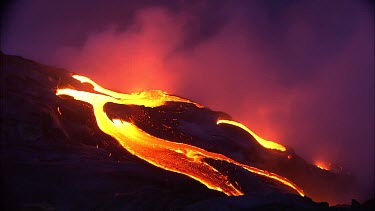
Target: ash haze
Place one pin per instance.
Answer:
(300, 73)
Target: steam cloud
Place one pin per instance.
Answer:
(298, 73)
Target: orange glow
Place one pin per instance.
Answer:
(322, 165)
(176, 157)
(265, 143)
(153, 98)
(58, 110)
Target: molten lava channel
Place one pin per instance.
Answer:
(176, 157)
(265, 143)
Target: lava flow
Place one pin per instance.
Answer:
(177, 157)
(265, 143)
(322, 165)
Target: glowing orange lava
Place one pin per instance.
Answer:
(322, 165)
(177, 157)
(153, 98)
(265, 143)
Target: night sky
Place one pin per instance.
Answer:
(300, 73)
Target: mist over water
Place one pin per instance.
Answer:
(298, 73)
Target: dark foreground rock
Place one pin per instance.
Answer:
(54, 156)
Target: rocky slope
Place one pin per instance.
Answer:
(54, 156)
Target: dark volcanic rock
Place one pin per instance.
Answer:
(54, 156)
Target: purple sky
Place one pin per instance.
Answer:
(297, 72)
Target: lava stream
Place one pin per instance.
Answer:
(265, 143)
(177, 157)
(153, 98)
